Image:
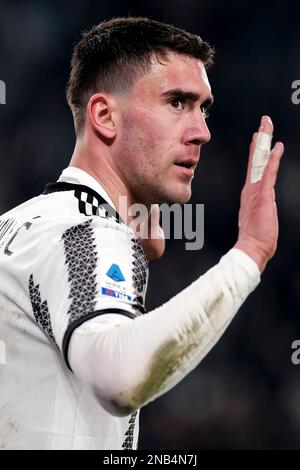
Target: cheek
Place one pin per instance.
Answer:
(161, 131)
(145, 135)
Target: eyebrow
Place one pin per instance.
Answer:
(187, 96)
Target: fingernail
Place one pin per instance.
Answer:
(263, 120)
(282, 148)
(261, 123)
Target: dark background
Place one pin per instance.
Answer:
(246, 392)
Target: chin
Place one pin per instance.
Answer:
(178, 197)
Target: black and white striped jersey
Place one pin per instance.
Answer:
(66, 257)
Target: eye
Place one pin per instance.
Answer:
(177, 103)
(205, 113)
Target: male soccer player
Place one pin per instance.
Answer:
(82, 357)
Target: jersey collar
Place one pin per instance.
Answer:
(74, 179)
(75, 175)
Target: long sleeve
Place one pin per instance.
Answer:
(130, 362)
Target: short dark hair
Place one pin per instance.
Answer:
(113, 54)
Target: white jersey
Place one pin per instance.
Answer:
(65, 258)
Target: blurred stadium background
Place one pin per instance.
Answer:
(246, 393)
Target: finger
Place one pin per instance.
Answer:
(271, 170)
(266, 126)
(262, 149)
(251, 151)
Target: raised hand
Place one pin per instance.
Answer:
(258, 221)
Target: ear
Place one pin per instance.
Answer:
(101, 112)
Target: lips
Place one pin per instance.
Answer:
(187, 163)
(184, 169)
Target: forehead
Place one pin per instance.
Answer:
(174, 71)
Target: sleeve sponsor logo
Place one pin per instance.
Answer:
(116, 294)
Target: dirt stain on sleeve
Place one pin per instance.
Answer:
(6, 434)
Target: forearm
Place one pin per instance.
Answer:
(135, 361)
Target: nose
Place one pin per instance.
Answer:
(198, 132)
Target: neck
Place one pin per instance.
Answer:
(100, 166)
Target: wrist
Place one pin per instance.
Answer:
(254, 251)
